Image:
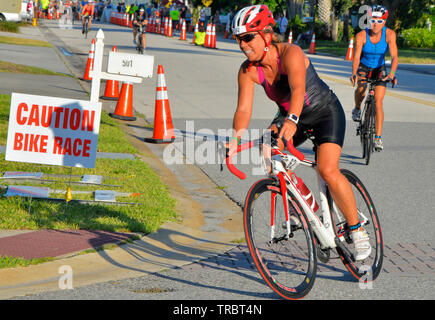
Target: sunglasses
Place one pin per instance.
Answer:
(379, 21)
(246, 38)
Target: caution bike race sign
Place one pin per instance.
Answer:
(54, 131)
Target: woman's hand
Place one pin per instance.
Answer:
(288, 130)
(232, 146)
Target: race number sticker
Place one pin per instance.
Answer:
(137, 65)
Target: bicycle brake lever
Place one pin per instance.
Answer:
(222, 153)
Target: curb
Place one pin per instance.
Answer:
(209, 223)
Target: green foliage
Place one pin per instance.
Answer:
(8, 26)
(274, 5)
(297, 26)
(413, 13)
(418, 38)
(341, 6)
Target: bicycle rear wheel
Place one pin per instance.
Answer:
(287, 264)
(368, 269)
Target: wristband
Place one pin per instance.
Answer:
(238, 140)
(294, 118)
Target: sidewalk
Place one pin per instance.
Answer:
(210, 222)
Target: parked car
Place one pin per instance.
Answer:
(7, 11)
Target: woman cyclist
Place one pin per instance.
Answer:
(304, 102)
(369, 61)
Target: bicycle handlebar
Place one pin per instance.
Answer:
(295, 152)
(230, 164)
(375, 81)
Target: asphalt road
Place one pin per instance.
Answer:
(202, 91)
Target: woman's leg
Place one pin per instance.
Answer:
(328, 156)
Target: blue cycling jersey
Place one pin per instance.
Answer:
(373, 55)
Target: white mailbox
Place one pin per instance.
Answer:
(137, 65)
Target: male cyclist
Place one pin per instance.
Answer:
(369, 62)
(140, 18)
(88, 11)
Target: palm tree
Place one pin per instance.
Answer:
(324, 9)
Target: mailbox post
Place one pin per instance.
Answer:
(123, 67)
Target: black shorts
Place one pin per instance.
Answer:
(373, 74)
(328, 124)
(136, 29)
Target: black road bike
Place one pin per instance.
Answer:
(86, 27)
(139, 46)
(366, 128)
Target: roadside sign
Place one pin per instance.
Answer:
(137, 65)
(54, 131)
(207, 3)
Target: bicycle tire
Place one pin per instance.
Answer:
(86, 29)
(368, 269)
(288, 266)
(370, 122)
(362, 139)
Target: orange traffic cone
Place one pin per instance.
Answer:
(124, 107)
(290, 37)
(90, 63)
(349, 55)
(163, 127)
(166, 26)
(112, 87)
(213, 37)
(196, 30)
(313, 45)
(183, 31)
(226, 32)
(207, 36)
(170, 31)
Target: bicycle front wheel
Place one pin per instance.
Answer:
(287, 262)
(369, 129)
(368, 269)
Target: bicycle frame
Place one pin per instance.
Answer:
(324, 231)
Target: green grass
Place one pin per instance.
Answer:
(19, 68)
(153, 203)
(11, 262)
(24, 42)
(406, 55)
(8, 26)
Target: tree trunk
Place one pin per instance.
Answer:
(324, 12)
(291, 12)
(294, 7)
(346, 26)
(335, 22)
